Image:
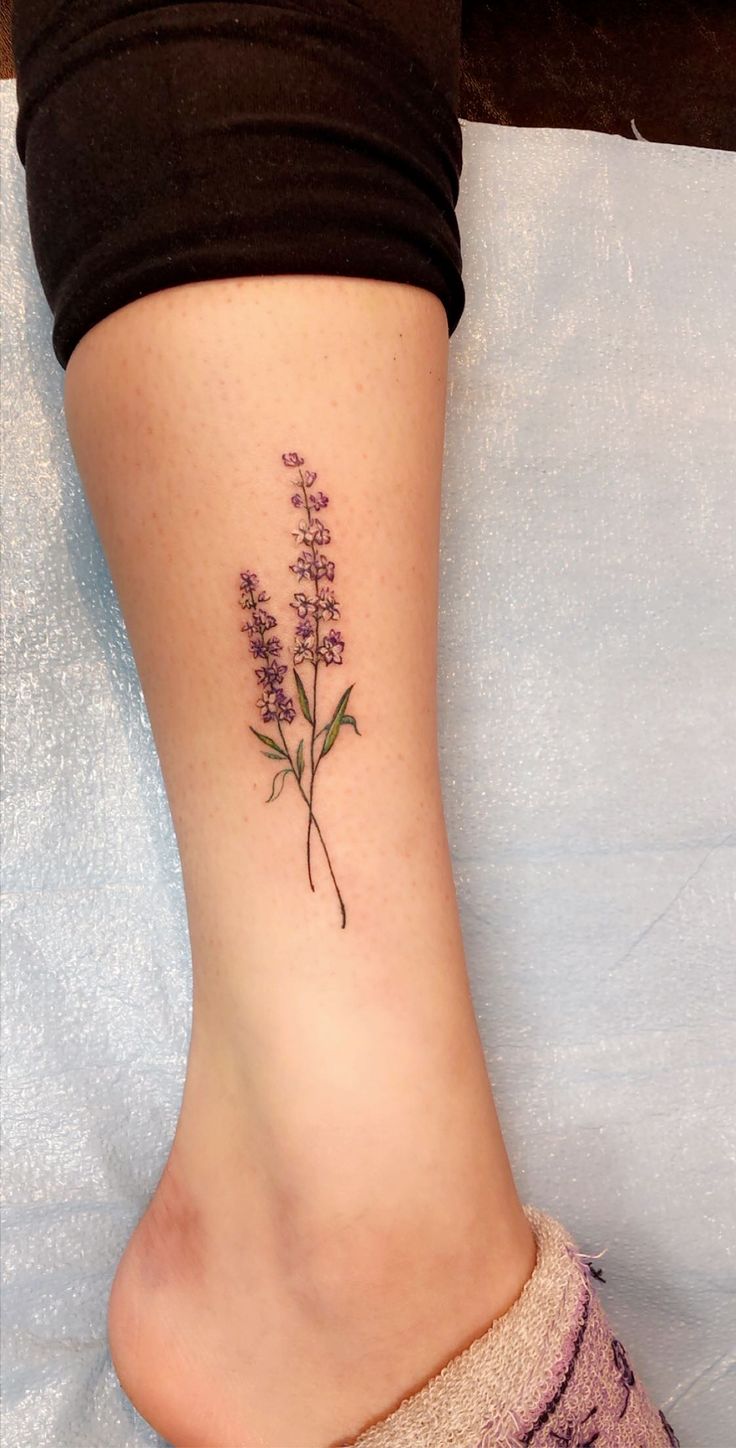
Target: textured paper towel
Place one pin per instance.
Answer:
(587, 692)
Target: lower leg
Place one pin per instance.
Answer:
(338, 1216)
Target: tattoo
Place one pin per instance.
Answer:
(316, 643)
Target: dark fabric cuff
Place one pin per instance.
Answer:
(166, 144)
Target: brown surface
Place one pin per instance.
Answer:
(668, 64)
(6, 59)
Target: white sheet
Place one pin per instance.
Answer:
(587, 687)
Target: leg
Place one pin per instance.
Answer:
(338, 1216)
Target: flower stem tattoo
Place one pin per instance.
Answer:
(317, 644)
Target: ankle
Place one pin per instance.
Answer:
(353, 1207)
(367, 1306)
(365, 1230)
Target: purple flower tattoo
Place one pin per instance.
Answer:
(313, 604)
(331, 647)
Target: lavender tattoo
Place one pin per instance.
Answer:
(317, 644)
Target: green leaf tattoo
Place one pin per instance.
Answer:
(280, 753)
(302, 697)
(336, 721)
(277, 787)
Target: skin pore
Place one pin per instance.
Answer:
(338, 1216)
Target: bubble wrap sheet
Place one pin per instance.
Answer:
(587, 692)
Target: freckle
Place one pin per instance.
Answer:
(359, 387)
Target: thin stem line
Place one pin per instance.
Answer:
(312, 766)
(314, 821)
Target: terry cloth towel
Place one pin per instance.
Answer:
(549, 1373)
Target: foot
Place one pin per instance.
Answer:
(309, 1260)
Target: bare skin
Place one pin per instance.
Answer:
(338, 1217)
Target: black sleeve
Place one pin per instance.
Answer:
(170, 143)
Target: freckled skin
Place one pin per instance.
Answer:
(338, 1197)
